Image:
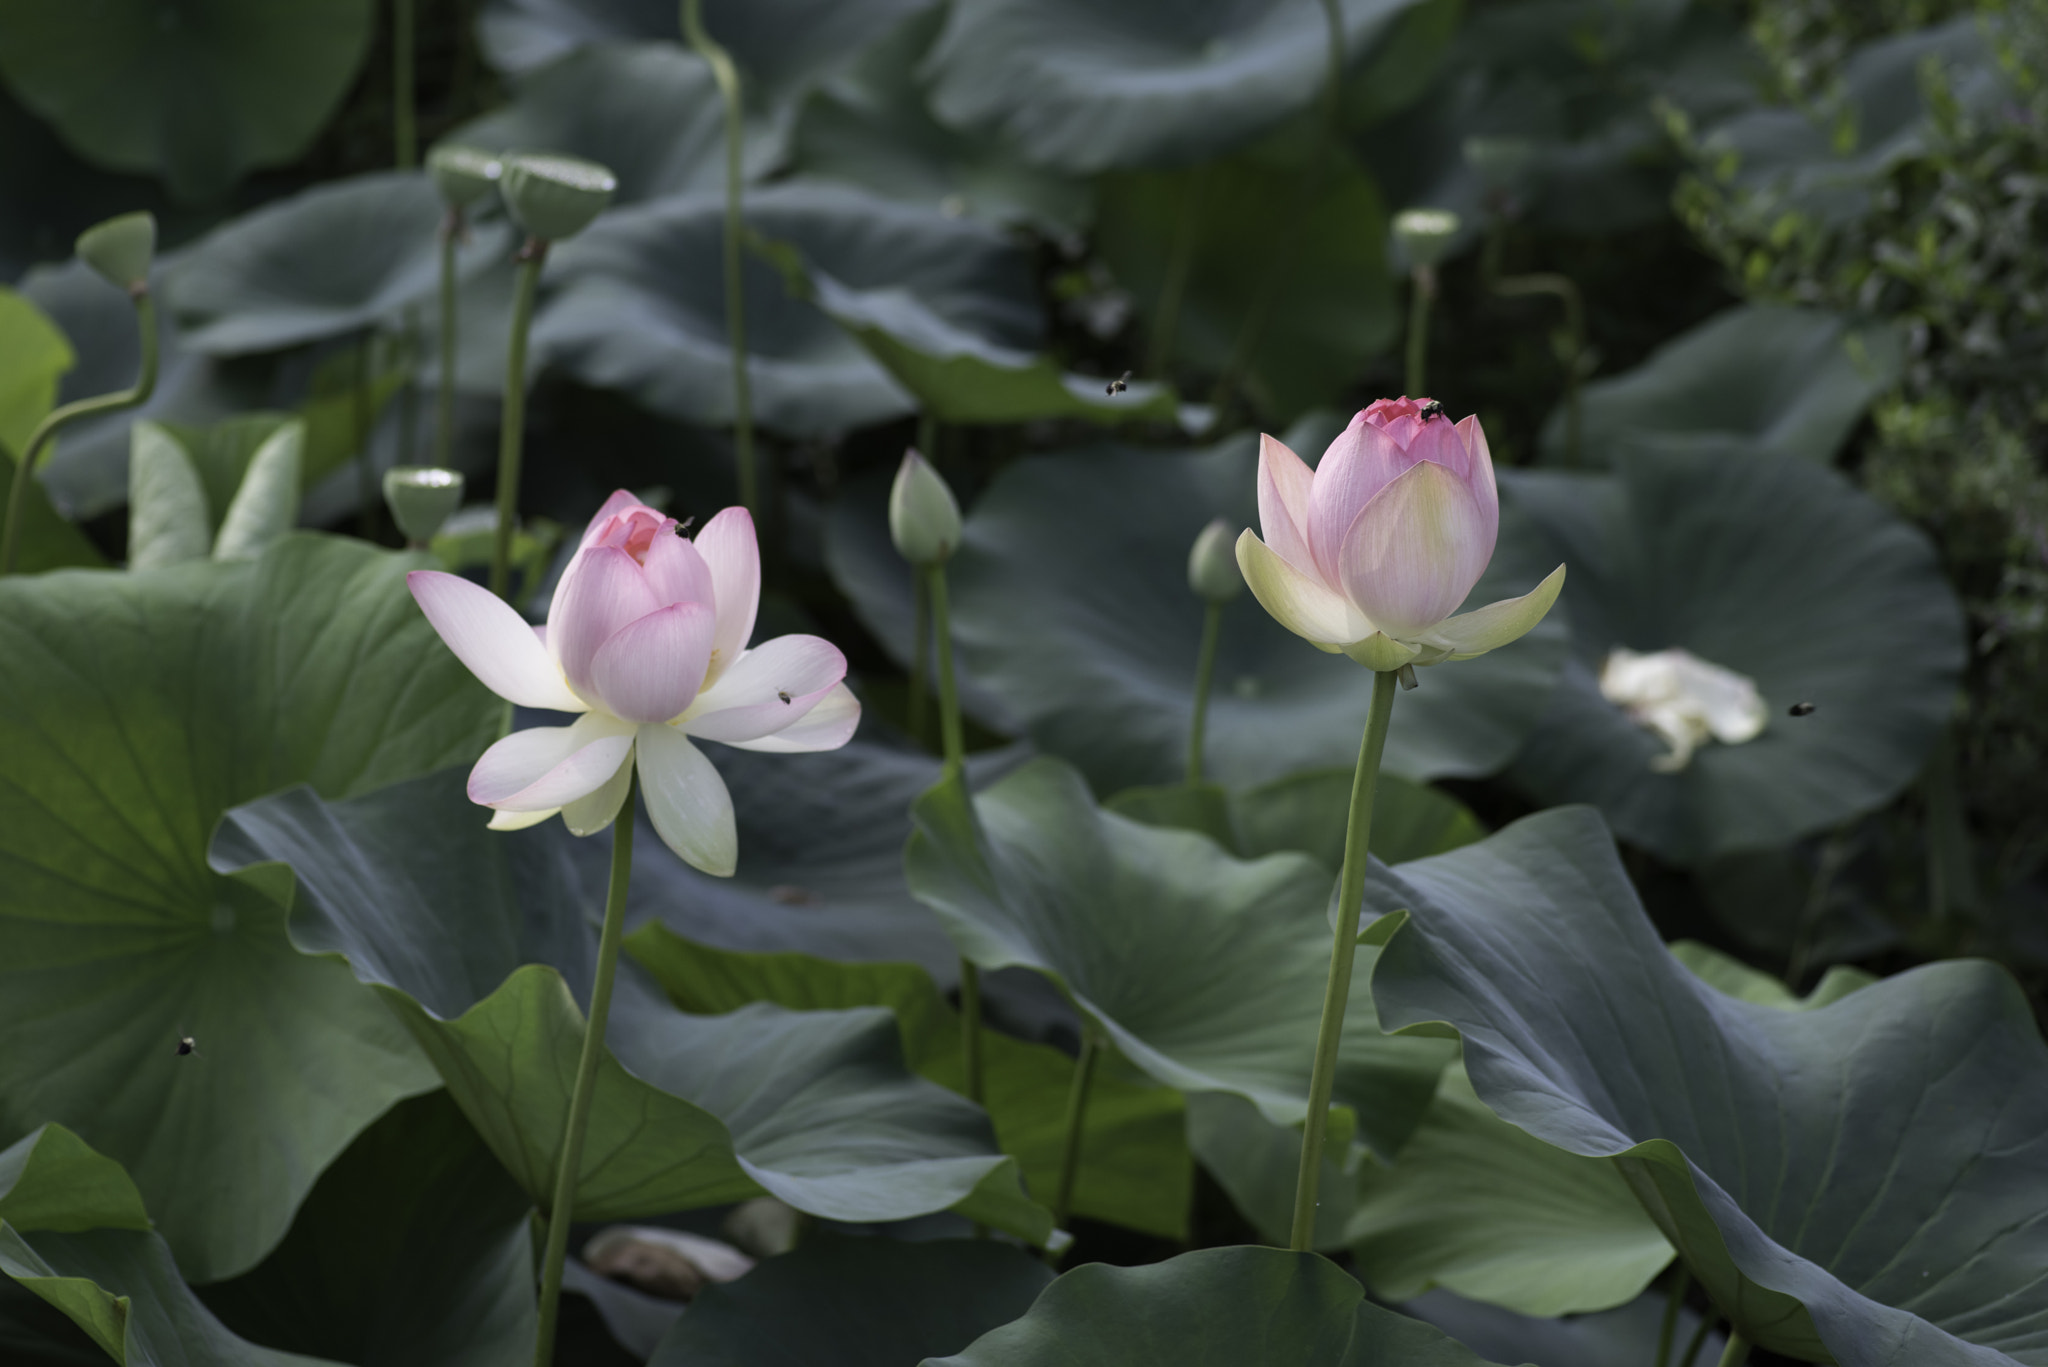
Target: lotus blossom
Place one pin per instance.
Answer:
(1685, 700)
(1370, 553)
(647, 639)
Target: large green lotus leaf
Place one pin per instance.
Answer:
(1203, 970)
(1089, 88)
(483, 943)
(1220, 1307)
(1773, 568)
(200, 94)
(1759, 378)
(34, 1333)
(413, 1250)
(639, 303)
(338, 258)
(1093, 644)
(33, 356)
(134, 709)
(871, 125)
(74, 1232)
(1860, 1183)
(648, 112)
(1287, 282)
(856, 1303)
(1135, 1169)
(1623, 1337)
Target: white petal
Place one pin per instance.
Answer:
(519, 821)
(493, 640)
(1489, 628)
(592, 813)
(827, 726)
(544, 767)
(767, 689)
(1285, 485)
(734, 557)
(687, 801)
(1307, 607)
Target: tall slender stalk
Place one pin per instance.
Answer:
(1699, 1338)
(1077, 1114)
(1421, 297)
(58, 418)
(1205, 674)
(920, 656)
(1674, 1300)
(954, 745)
(728, 78)
(1343, 949)
(512, 423)
(444, 396)
(561, 1210)
(1737, 1351)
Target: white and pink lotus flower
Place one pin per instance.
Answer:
(647, 638)
(1373, 551)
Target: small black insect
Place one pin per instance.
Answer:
(186, 1046)
(1118, 385)
(1432, 409)
(1801, 709)
(782, 694)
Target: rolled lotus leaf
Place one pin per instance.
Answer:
(462, 174)
(121, 249)
(555, 197)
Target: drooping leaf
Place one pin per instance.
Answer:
(1135, 1170)
(413, 1250)
(267, 504)
(1760, 378)
(856, 1303)
(168, 520)
(1240, 1307)
(199, 95)
(1204, 971)
(640, 303)
(1775, 569)
(1863, 1183)
(335, 259)
(483, 944)
(1625, 1337)
(134, 709)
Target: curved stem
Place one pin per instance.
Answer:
(569, 1165)
(1699, 1338)
(1737, 1351)
(1077, 1113)
(444, 397)
(1421, 294)
(728, 77)
(1205, 673)
(1681, 1280)
(24, 469)
(512, 423)
(1343, 949)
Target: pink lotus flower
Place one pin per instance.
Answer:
(1371, 553)
(647, 638)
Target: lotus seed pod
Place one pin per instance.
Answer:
(1425, 235)
(924, 518)
(121, 249)
(555, 197)
(1212, 564)
(463, 175)
(421, 497)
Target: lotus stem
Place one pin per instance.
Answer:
(1421, 297)
(512, 424)
(728, 78)
(920, 657)
(1699, 1338)
(360, 418)
(444, 397)
(145, 385)
(1343, 949)
(1077, 1114)
(1567, 293)
(562, 1209)
(1205, 674)
(1736, 1353)
(953, 742)
(1681, 1280)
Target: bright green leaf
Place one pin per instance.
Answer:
(267, 504)
(168, 523)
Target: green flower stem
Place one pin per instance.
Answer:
(1205, 674)
(444, 397)
(569, 1166)
(145, 385)
(1343, 949)
(1077, 1114)
(1681, 1280)
(1736, 1353)
(512, 424)
(920, 657)
(1699, 1338)
(1421, 297)
(728, 77)
(1567, 293)
(404, 128)
(954, 745)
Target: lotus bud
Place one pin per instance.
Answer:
(121, 250)
(421, 498)
(463, 175)
(924, 518)
(1212, 564)
(555, 197)
(1425, 235)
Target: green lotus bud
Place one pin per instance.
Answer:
(924, 519)
(420, 498)
(555, 197)
(463, 175)
(1425, 235)
(121, 249)
(1500, 162)
(1212, 564)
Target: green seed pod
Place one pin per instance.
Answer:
(420, 498)
(1425, 235)
(121, 249)
(555, 197)
(463, 175)
(1212, 564)
(924, 518)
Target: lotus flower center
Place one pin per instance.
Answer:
(1684, 700)
(634, 531)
